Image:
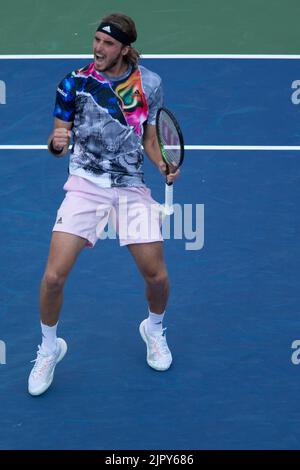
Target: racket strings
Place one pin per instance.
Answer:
(170, 140)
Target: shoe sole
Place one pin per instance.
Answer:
(63, 350)
(143, 335)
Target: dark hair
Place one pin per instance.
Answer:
(127, 25)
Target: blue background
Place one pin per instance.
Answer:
(217, 101)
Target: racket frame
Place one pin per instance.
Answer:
(168, 206)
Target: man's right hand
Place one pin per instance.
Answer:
(61, 138)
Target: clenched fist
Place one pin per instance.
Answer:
(61, 138)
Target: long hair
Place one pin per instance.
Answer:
(127, 25)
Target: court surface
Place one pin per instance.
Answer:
(234, 308)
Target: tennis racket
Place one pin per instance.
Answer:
(171, 145)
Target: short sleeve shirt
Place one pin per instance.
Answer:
(108, 116)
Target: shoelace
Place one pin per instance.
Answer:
(42, 361)
(161, 342)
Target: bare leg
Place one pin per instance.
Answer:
(64, 249)
(150, 261)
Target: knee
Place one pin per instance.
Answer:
(53, 281)
(157, 278)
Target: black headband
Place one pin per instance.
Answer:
(115, 33)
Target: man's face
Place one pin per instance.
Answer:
(108, 53)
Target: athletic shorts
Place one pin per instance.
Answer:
(91, 212)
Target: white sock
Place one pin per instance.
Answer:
(154, 322)
(49, 338)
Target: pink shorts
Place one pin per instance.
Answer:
(92, 213)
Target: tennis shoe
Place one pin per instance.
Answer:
(159, 356)
(41, 376)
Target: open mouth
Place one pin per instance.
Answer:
(99, 58)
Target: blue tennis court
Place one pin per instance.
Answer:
(234, 307)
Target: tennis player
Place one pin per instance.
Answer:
(108, 109)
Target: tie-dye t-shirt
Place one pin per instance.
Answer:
(108, 115)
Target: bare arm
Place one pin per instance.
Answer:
(152, 149)
(59, 139)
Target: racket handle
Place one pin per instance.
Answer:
(169, 199)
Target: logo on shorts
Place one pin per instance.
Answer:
(59, 221)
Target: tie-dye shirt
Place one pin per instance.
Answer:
(108, 115)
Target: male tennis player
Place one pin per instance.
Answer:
(109, 109)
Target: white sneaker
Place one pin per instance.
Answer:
(41, 376)
(159, 356)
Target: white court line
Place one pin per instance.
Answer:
(242, 147)
(156, 56)
(23, 147)
(186, 147)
